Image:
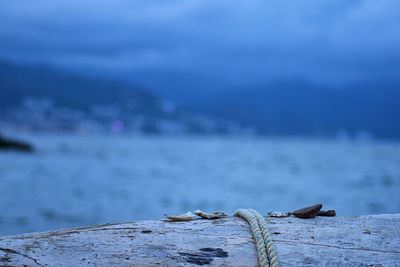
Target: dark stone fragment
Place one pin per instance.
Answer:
(8, 144)
(327, 213)
(308, 212)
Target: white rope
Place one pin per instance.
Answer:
(266, 253)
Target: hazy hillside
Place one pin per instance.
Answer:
(40, 81)
(299, 107)
(42, 98)
(283, 107)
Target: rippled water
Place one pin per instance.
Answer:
(73, 180)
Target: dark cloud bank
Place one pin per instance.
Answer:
(240, 40)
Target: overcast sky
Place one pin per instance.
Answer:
(335, 40)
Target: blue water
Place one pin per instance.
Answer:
(82, 180)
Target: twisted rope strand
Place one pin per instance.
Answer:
(265, 250)
(271, 253)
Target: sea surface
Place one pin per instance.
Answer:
(82, 180)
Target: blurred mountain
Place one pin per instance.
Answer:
(66, 90)
(291, 106)
(280, 107)
(39, 97)
(297, 107)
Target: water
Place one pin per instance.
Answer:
(73, 180)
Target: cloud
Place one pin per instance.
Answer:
(253, 39)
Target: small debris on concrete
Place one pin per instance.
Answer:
(210, 216)
(276, 214)
(327, 213)
(367, 232)
(307, 212)
(180, 218)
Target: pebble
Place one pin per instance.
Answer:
(308, 212)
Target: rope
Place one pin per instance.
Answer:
(266, 253)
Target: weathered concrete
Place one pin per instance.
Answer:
(338, 241)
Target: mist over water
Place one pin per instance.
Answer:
(84, 180)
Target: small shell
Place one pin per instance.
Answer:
(180, 218)
(276, 214)
(210, 216)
